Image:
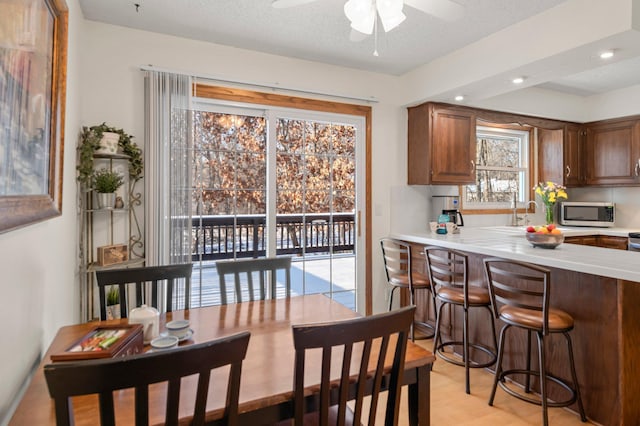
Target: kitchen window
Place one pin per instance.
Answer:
(502, 168)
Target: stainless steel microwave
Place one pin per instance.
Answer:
(578, 213)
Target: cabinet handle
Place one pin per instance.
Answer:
(473, 166)
(636, 167)
(568, 171)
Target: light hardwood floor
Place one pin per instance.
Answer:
(450, 405)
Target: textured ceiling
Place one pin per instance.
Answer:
(319, 31)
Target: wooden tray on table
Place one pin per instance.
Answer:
(104, 342)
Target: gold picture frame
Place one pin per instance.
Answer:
(33, 62)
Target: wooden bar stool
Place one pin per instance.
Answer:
(448, 272)
(520, 297)
(397, 265)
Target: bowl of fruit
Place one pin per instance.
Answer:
(546, 236)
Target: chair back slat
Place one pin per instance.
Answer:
(447, 268)
(245, 270)
(397, 259)
(154, 276)
(69, 379)
(385, 335)
(520, 285)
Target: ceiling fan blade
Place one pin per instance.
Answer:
(281, 4)
(446, 10)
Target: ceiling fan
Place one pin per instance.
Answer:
(362, 13)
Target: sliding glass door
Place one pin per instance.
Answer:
(316, 199)
(272, 183)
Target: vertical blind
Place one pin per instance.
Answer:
(167, 168)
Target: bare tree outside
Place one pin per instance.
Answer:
(499, 172)
(310, 155)
(229, 172)
(229, 164)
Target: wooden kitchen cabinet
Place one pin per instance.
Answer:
(605, 241)
(589, 240)
(441, 145)
(618, 243)
(573, 155)
(560, 155)
(612, 150)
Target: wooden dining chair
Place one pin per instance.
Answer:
(171, 275)
(245, 270)
(104, 376)
(364, 342)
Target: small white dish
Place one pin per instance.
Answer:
(164, 342)
(178, 328)
(187, 336)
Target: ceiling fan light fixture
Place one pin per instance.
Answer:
(364, 25)
(361, 14)
(390, 22)
(390, 12)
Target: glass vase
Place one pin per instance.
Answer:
(548, 213)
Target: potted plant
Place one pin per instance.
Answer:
(90, 144)
(106, 182)
(113, 303)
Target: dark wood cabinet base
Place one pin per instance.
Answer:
(606, 339)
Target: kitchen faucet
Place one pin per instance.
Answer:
(514, 206)
(526, 214)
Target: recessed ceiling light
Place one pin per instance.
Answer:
(606, 54)
(459, 98)
(518, 80)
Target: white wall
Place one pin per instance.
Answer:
(113, 92)
(38, 262)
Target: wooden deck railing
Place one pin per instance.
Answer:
(220, 237)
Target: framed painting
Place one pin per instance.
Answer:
(33, 60)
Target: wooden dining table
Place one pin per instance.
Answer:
(266, 389)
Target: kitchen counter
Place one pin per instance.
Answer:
(509, 242)
(598, 287)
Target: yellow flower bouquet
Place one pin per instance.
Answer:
(550, 193)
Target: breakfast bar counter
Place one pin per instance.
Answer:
(599, 287)
(510, 243)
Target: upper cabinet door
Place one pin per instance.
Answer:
(551, 156)
(453, 147)
(573, 155)
(612, 153)
(442, 145)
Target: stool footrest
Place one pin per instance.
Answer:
(504, 375)
(472, 364)
(422, 325)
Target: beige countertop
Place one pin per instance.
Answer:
(510, 243)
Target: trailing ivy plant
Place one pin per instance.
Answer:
(90, 142)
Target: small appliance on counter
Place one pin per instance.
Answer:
(634, 241)
(444, 226)
(448, 205)
(581, 213)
